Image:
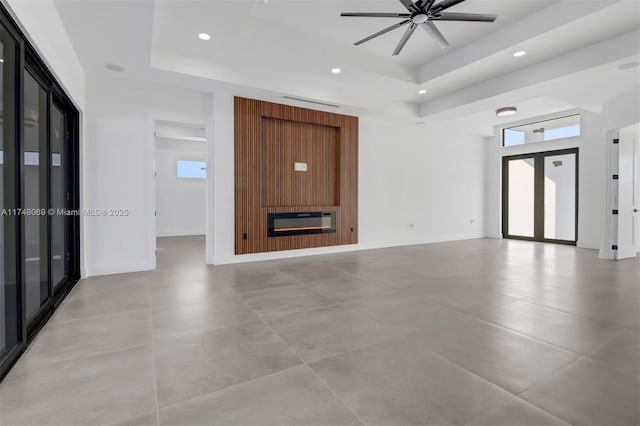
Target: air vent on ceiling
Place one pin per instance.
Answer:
(309, 101)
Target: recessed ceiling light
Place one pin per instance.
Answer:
(114, 68)
(628, 66)
(204, 36)
(519, 54)
(422, 91)
(506, 111)
(336, 70)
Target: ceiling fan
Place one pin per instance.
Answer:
(422, 13)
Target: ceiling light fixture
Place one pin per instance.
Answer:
(204, 36)
(422, 91)
(336, 70)
(114, 68)
(628, 66)
(506, 111)
(519, 54)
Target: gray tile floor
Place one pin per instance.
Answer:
(480, 332)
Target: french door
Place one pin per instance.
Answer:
(540, 196)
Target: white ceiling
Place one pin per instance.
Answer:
(288, 47)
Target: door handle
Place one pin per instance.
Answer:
(636, 210)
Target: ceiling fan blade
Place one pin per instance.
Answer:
(425, 5)
(411, 7)
(379, 33)
(445, 4)
(405, 39)
(434, 32)
(377, 15)
(467, 17)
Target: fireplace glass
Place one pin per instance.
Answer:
(302, 223)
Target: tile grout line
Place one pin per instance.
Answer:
(443, 357)
(486, 321)
(637, 330)
(153, 355)
(515, 397)
(335, 394)
(306, 365)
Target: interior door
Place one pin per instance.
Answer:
(628, 203)
(540, 200)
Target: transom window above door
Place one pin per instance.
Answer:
(540, 131)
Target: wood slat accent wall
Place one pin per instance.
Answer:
(269, 138)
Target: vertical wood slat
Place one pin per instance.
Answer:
(268, 139)
(286, 142)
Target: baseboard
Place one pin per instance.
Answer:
(180, 233)
(370, 245)
(120, 268)
(588, 245)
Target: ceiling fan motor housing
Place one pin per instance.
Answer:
(419, 18)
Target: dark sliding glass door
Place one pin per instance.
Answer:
(34, 195)
(59, 193)
(539, 197)
(39, 193)
(10, 325)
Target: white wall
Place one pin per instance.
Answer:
(40, 22)
(120, 161)
(591, 175)
(433, 179)
(430, 178)
(622, 111)
(180, 203)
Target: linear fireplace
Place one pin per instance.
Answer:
(302, 223)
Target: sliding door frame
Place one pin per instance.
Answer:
(11, 150)
(539, 192)
(43, 191)
(27, 59)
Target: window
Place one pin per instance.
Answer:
(192, 169)
(548, 130)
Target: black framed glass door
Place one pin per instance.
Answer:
(39, 192)
(540, 196)
(59, 193)
(34, 195)
(10, 323)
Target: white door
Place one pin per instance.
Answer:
(628, 202)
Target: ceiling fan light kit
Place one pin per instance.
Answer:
(421, 13)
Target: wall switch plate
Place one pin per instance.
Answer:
(300, 167)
